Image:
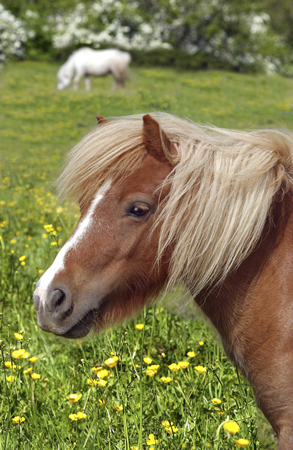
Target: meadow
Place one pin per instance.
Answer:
(162, 380)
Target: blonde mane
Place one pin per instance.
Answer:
(221, 189)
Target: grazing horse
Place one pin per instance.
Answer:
(164, 201)
(86, 62)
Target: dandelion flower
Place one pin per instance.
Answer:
(11, 378)
(22, 258)
(18, 419)
(91, 382)
(74, 398)
(166, 423)
(102, 373)
(166, 379)
(147, 360)
(102, 383)
(151, 440)
(201, 343)
(28, 371)
(118, 408)
(216, 401)
(191, 354)
(73, 417)
(242, 443)
(33, 359)
(18, 336)
(112, 362)
(35, 376)
(139, 326)
(80, 415)
(200, 369)
(174, 367)
(49, 228)
(231, 426)
(20, 354)
(171, 429)
(183, 364)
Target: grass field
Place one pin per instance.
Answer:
(120, 404)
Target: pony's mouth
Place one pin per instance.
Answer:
(81, 328)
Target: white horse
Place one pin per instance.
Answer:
(86, 62)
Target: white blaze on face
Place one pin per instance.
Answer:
(58, 263)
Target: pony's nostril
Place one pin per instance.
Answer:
(59, 303)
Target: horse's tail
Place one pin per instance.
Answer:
(121, 69)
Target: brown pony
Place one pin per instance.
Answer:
(164, 201)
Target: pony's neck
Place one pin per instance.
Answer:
(232, 306)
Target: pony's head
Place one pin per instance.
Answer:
(64, 76)
(107, 269)
(162, 201)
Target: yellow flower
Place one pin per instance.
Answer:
(18, 336)
(112, 362)
(101, 373)
(96, 369)
(171, 429)
(242, 442)
(91, 382)
(147, 360)
(20, 354)
(35, 376)
(102, 402)
(18, 419)
(28, 371)
(49, 228)
(11, 378)
(33, 359)
(80, 415)
(218, 411)
(231, 426)
(12, 251)
(166, 423)
(216, 401)
(200, 369)
(201, 343)
(44, 236)
(151, 440)
(13, 241)
(174, 367)
(166, 379)
(183, 364)
(191, 354)
(22, 258)
(54, 243)
(102, 383)
(22, 263)
(41, 271)
(118, 408)
(139, 326)
(73, 398)
(134, 448)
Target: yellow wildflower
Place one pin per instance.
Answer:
(13, 241)
(11, 378)
(22, 258)
(22, 263)
(200, 369)
(74, 398)
(166, 423)
(18, 419)
(53, 243)
(218, 411)
(112, 362)
(183, 364)
(80, 415)
(242, 443)
(18, 336)
(44, 236)
(191, 354)
(49, 228)
(20, 354)
(41, 271)
(216, 401)
(174, 367)
(102, 402)
(166, 379)
(118, 408)
(147, 360)
(33, 359)
(151, 440)
(139, 326)
(102, 383)
(171, 429)
(28, 371)
(35, 376)
(201, 343)
(231, 427)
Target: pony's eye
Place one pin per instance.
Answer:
(139, 210)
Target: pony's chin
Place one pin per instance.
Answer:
(81, 328)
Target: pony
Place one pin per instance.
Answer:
(86, 62)
(166, 202)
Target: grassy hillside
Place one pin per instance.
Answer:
(129, 402)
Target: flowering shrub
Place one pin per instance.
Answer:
(13, 35)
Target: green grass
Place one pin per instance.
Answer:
(38, 126)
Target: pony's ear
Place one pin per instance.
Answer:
(157, 142)
(100, 119)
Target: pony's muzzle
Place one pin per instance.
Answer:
(54, 312)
